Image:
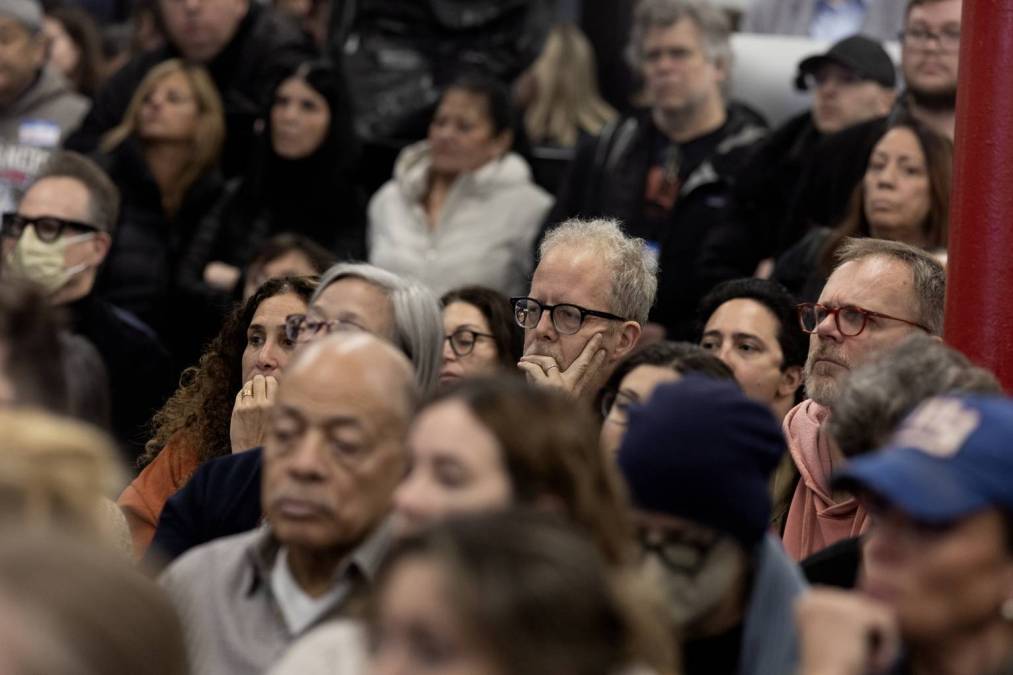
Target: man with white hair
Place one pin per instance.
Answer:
(590, 297)
(334, 455)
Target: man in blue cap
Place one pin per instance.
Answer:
(936, 583)
(697, 460)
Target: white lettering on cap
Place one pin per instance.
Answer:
(939, 427)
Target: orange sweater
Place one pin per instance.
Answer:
(142, 501)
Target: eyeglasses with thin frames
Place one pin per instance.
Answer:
(850, 320)
(462, 341)
(566, 318)
(301, 328)
(918, 37)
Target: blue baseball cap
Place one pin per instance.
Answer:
(951, 457)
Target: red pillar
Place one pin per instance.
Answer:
(979, 297)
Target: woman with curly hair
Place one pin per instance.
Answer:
(222, 404)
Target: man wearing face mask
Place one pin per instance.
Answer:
(57, 240)
(697, 459)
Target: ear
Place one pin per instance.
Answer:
(791, 380)
(886, 100)
(100, 246)
(627, 339)
(550, 503)
(503, 142)
(721, 70)
(38, 50)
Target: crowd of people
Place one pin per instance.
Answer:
(370, 337)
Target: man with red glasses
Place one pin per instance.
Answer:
(879, 294)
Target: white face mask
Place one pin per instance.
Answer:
(41, 263)
(691, 596)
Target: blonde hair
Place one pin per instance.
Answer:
(208, 138)
(566, 90)
(57, 473)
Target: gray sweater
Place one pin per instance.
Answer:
(44, 114)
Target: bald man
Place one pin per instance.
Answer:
(333, 457)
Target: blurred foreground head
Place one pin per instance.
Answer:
(68, 607)
(58, 473)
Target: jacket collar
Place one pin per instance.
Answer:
(364, 561)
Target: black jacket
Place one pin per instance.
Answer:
(767, 185)
(222, 498)
(140, 375)
(800, 269)
(838, 164)
(143, 263)
(608, 178)
(147, 244)
(265, 45)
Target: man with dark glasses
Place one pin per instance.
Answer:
(56, 241)
(589, 299)
(878, 295)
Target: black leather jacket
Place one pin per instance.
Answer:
(607, 179)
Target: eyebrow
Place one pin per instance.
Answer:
(629, 393)
(328, 423)
(746, 336)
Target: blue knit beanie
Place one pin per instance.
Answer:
(701, 450)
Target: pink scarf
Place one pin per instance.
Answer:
(815, 521)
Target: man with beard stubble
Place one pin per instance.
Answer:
(589, 299)
(879, 294)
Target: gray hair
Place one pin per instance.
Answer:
(929, 274)
(880, 394)
(712, 23)
(418, 320)
(634, 269)
(103, 195)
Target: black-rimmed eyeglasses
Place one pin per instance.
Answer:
(47, 228)
(850, 320)
(302, 328)
(919, 38)
(566, 318)
(462, 341)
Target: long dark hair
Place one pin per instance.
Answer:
(201, 408)
(495, 307)
(81, 29)
(938, 151)
(316, 195)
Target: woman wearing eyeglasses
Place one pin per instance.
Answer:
(480, 334)
(222, 404)
(635, 378)
(904, 196)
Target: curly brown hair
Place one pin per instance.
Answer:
(201, 408)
